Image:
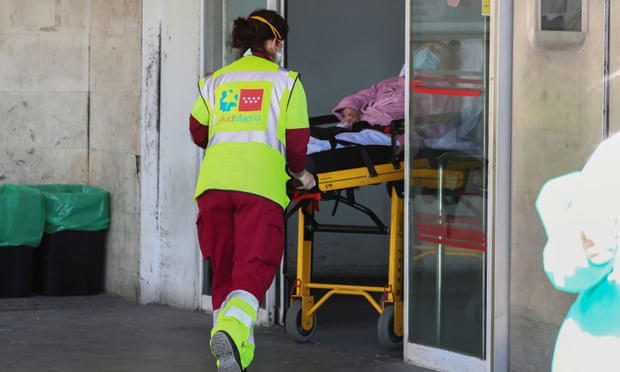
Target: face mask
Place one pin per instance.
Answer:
(278, 58)
(425, 60)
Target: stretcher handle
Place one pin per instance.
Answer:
(296, 185)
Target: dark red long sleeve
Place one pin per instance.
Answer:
(296, 148)
(199, 132)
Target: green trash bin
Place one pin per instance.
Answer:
(22, 218)
(71, 258)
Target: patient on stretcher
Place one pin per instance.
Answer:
(364, 117)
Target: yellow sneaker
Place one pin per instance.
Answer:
(226, 353)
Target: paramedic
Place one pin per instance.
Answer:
(580, 212)
(252, 119)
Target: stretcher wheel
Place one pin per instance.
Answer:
(385, 329)
(293, 324)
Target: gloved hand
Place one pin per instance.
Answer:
(306, 179)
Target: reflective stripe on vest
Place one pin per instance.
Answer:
(238, 99)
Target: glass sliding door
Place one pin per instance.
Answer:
(448, 116)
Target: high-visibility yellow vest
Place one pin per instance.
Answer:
(248, 106)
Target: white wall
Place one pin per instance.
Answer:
(170, 259)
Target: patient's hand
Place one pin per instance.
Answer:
(350, 116)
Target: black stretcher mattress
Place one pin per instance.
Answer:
(349, 157)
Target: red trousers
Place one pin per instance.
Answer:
(243, 236)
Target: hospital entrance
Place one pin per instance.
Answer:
(395, 249)
(500, 96)
(443, 50)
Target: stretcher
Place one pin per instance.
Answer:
(342, 171)
(377, 166)
(301, 316)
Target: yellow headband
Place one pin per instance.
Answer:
(273, 29)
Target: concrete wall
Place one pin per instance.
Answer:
(114, 149)
(98, 92)
(44, 87)
(69, 97)
(557, 122)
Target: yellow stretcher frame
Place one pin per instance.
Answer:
(301, 315)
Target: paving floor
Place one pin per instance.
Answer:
(106, 333)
